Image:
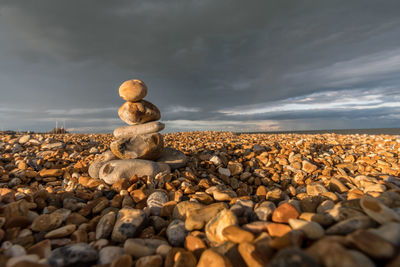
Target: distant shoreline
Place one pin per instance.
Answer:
(374, 131)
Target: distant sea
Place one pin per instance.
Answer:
(376, 131)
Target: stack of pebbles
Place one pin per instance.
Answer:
(139, 147)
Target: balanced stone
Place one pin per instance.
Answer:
(140, 112)
(143, 146)
(114, 170)
(133, 90)
(174, 158)
(94, 168)
(145, 128)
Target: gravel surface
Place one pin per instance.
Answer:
(241, 200)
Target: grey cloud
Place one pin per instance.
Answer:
(200, 57)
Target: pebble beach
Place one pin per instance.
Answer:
(241, 200)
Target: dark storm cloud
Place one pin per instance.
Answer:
(207, 62)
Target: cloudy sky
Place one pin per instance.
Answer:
(219, 65)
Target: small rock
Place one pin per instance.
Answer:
(224, 171)
(176, 233)
(250, 255)
(153, 261)
(316, 189)
(292, 257)
(138, 247)
(210, 258)
(390, 232)
(128, 224)
(308, 167)
(278, 229)
(155, 202)
(235, 234)
(51, 173)
(378, 211)
(183, 207)
(215, 226)
(312, 230)
(285, 212)
(80, 253)
(174, 158)
(349, 225)
(46, 222)
(61, 232)
(374, 246)
(109, 254)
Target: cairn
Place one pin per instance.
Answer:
(138, 149)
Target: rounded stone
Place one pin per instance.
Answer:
(142, 146)
(155, 202)
(145, 128)
(176, 233)
(80, 253)
(114, 170)
(174, 158)
(95, 166)
(129, 223)
(132, 90)
(134, 113)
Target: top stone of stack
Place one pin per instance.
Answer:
(132, 90)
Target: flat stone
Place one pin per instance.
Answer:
(235, 234)
(42, 249)
(372, 245)
(25, 138)
(80, 253)
(142, 146)
(185, 259)
(316, 189)
(308, 166)
(153, 261)
(194, 243)
(350, 225)
(292, 257)
(46, 222)
(128, 224)
(197, 218)
(224, 195)
(156, 201)
(51, 173)
(100, 160)
(285, 212)
(138, 247)
(105, 225)
(390, 232)
(312, 230)
(122, 261)
(217, 224)
(209, 258)
(113, 170)
(109, 254)
(176, 233)
(134, 113)
(378, 211)
(174, 158)
(278, 229)
(322, 219)
(265, 210)
(61, 232)
(251, 255)
(145, 128)
(132, 90)
(293, 238)
(183, 207)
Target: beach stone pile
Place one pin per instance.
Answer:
(139, 147)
